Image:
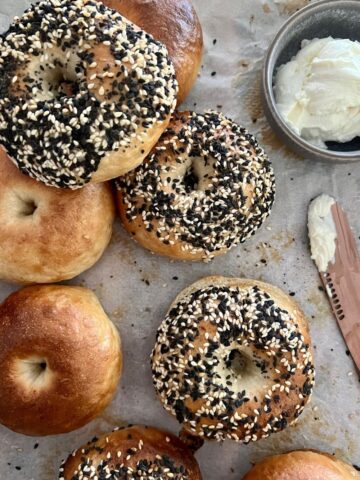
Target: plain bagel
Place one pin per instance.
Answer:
(48, 235)
(302, 465)
(133, 453)
(233, 360)
(60, 357)
(84, 93)
(175, 24)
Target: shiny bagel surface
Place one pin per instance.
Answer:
(49, 235)
(61, 359)
(302, 465)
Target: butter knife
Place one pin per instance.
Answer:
(334, 250)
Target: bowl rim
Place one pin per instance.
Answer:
(267, 80)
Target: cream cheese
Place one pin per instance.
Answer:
(318, 91)
(322, 232)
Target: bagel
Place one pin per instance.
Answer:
(84, 93)
(48, 235)
(206, 187)
(60, 357)
(302, 465)
(175, 24)
(136, 453)
(233, 359)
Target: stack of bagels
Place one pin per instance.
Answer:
(90, 125)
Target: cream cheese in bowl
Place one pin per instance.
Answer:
(318, 92)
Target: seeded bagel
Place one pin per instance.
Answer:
(84, 93)
(133, 453)
(206, 187)
(233, 359)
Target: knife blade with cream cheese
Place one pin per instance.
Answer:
(334, 250)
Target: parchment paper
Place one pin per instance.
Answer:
(136, 287)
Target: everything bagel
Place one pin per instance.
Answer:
(134, 453)
(84, 93)
(206, 187)
(233, 359)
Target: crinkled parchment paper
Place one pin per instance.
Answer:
(136, 287)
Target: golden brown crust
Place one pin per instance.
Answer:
(130, 446)
(302, 465)
(66, 233)
(60, 356)
(277, 389)
(121, 162)
(175, 24)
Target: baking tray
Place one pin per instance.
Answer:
(136, 287)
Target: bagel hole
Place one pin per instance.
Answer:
(61, 83)
(191, 180)
(33, 370)
(42, 366)
(38, 368)
(63, 86)
(67, 88)
(239, 363)
(28, 208)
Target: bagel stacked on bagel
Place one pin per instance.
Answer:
(84, 93)
(303, 465)
(61, 359)
(134, 453)
(233, 359)
(206, 187)
(175, 24)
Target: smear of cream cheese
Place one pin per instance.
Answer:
(318, 91)
(322, 231)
